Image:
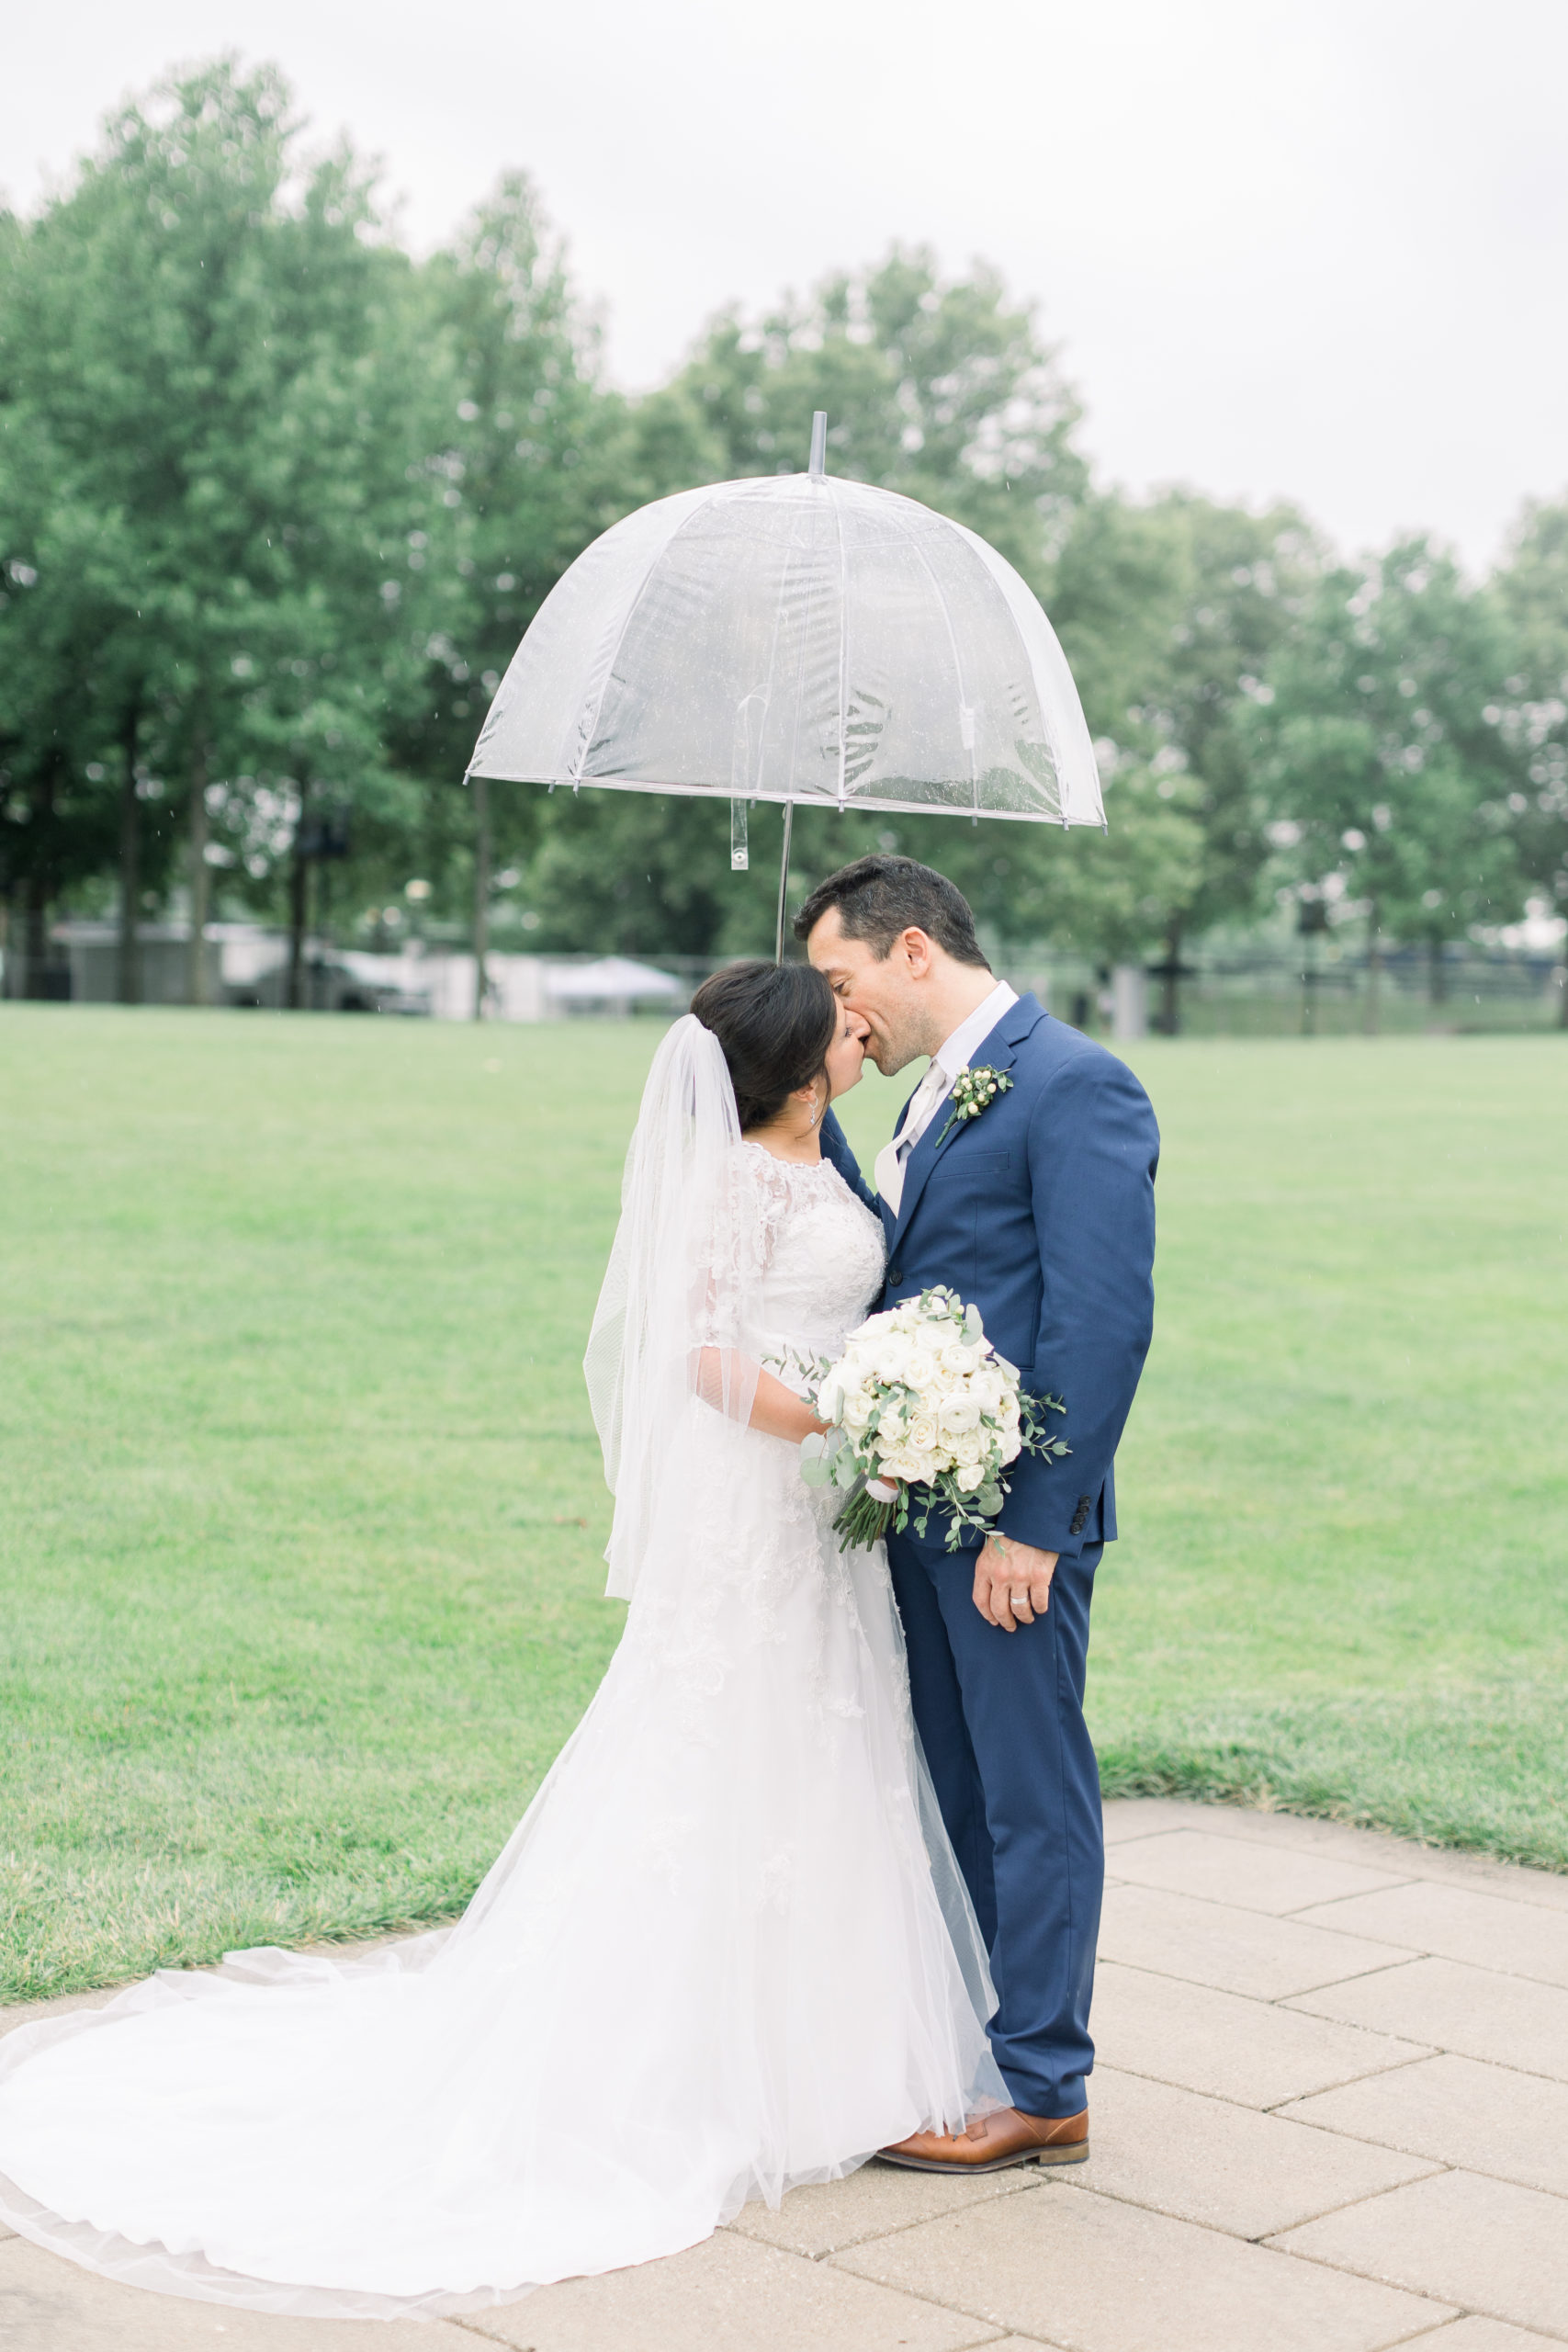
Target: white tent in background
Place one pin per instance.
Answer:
(613, 980)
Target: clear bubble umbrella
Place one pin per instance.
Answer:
(798, 639)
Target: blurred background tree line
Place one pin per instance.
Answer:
(278, 502)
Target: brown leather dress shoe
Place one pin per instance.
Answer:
(994, 2142)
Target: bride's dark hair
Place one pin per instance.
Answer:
(776, 1022)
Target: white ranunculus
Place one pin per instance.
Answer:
(957, 1412)
(1008, 1444)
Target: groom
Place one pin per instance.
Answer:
(1039, 1211)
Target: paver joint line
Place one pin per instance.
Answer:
(1259, 2237)
(1186, 2022)
(1276, 2244)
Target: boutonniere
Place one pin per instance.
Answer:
(974, 1090)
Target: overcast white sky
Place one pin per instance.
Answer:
(1310, 247)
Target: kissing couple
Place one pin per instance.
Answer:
(817, 1876)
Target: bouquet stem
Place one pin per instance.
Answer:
(864, 1520)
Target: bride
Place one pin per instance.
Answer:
(727, 1949)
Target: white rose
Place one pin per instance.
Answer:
(856, 1410)
(970, 1476)
(1008, 1445)
(924, 1468)
(972, 1446)
(830, 1401)
(920, 1431)
(922, 1369)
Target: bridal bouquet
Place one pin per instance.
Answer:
(920, 1398)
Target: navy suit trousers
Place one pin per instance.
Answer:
(1000, 1718)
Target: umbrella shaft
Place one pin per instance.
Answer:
(783, 883)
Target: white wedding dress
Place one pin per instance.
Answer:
(727, 1950)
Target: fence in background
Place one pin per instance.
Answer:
(1315, 990)
(1245, 989)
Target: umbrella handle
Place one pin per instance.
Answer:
(783, 882)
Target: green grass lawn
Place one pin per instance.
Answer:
(302, 1507)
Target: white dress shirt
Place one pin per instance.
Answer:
(952, 1056)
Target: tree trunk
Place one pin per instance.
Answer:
(35, 940)
(482, 893)
(1372, 1017)
(298, 901)
(201, 879)
(128, 974)
(1169, 1021)
(1437, 973)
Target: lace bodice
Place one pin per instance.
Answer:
(822, 1255)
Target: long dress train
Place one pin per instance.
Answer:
(727, 1950)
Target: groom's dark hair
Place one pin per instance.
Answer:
(879, 897)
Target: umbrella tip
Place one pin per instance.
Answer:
(820, 445)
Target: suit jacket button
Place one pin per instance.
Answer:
(894, 1273)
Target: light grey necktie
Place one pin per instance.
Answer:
(892, 1159)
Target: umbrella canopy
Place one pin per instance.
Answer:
(798, 639)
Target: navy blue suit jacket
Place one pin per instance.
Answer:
(1040, 1213)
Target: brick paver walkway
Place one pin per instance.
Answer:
(1331, 2114)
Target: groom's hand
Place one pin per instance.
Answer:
(1012, 1582)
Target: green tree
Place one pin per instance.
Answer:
(542, 460)
(936, 387)
(1532, 590)
(1388, 767)
(233, 382)
(1170, 611)
(60, 808)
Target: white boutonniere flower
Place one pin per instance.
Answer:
(974, 1090)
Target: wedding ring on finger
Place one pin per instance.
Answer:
(1018, 1599)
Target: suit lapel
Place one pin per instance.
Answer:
(997, 1051)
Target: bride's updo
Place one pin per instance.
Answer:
(776, 1022)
